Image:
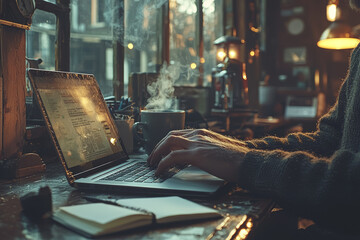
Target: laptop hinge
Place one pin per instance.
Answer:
(97, 169)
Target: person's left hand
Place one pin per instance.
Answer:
(219, 155)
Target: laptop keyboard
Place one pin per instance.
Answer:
(138, 172)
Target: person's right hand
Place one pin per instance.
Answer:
(219, 155)
(203, 132)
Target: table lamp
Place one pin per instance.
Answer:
(229, 80)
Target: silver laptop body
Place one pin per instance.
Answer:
(89, 146)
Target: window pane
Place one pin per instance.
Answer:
(183, 48)
(92, 28)
(210, 22)
(40, 39)
(142, 36)
(91, 44)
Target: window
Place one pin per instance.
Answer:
(91, 40)
(142, 37)
(186, 40)
(184, 49)
(212, 31)
(40, 39)
(97, 24)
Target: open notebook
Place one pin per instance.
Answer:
(90, 148)
(96, 219)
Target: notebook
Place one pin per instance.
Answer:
(90, 148)
(96, 219)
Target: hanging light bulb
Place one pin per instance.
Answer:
(331, 12)
(338, 35)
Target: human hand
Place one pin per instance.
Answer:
(203, 132)
(212, 152)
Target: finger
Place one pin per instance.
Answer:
(178, 157)
(194, 134)
(171, 143)
(171, 133)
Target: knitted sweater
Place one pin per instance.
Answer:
(317, 175)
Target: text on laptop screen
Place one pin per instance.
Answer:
(79, 118)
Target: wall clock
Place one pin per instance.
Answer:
(295, 26)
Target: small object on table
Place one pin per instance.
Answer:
(37, 206)
(25, 165)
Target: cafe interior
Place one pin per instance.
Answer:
(240, 68)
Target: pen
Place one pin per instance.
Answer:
(114, 202)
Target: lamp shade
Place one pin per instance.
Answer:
(229, 47)
(338, 36)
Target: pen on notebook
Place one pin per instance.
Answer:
(96, 199)
(114, 202)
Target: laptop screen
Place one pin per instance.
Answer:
(78, 117)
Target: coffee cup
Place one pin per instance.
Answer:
(155, 124)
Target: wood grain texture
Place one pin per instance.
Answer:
(1, 109)
(1, 91)
(12, 42)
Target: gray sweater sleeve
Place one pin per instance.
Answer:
(322, 142)
(316, 174)
(323, 189)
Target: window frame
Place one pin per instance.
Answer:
(62, 46)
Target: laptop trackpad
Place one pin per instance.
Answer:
(192, 173)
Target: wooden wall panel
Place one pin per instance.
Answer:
(12, 41)
(1, 110)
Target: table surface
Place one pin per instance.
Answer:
(236, 204)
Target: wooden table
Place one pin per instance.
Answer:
(244, 213)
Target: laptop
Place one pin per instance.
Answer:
(90, 148)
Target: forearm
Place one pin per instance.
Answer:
(320, 188)
(323, 142)
(319, 143)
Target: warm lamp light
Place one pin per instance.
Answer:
(332, 12)
(130, 46)
(228, 47)
(221, 54)
(232, 54)
(338, 36)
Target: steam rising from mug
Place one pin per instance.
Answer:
(138, 30)
(162, 90)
